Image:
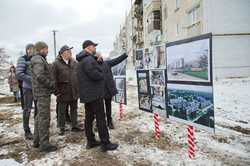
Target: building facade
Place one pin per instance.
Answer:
(153, 22)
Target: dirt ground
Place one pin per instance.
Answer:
(135, 135)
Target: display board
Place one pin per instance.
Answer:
(175, 81)
(119, 73)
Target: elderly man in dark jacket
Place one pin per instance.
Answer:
(110, 88)
(91, 83)
(23, 73)
(43, 86)
(64, 70)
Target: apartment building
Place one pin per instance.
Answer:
(152, 22)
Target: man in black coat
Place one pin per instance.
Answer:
(91, 87)
(110, 88)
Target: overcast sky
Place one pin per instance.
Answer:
(28, 21)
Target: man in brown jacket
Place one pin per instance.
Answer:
(64, 70)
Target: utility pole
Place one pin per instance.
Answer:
(54, 35)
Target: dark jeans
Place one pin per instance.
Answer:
(108, 109)
(62, 107)
(95, 109)
(21, 93)
(66, 112)
(28, 100)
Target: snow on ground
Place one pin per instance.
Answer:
(230, 145)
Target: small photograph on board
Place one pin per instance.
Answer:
(157, 77)
(189, 61)
(143, 81)
(120, 97)
(158, 95)
(120, 83)
(159, 57)
(145, 103)
(191, 103)
(139, 59)
(148, 59)
(120, 69)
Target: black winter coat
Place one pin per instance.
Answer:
(90, 77)
(110, 88)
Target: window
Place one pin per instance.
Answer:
(165, 12)
(177, 4)
(177, 29)
(154, 21)
(194, 16)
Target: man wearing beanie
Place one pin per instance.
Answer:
(43, 87)
(91, 87)
(23, 72)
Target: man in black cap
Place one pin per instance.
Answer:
(64, 70)
(91, 87)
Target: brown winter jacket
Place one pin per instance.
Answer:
(66, 80)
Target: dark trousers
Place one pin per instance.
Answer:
(95, 109)
(42, 121)
(108, 109)
(67, 117)
(21, 93)
(28, 100)
(62, 107)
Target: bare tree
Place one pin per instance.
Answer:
(4, 58)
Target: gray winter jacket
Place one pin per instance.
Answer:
(42, 77)
(23, 71)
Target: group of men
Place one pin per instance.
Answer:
(89, 78)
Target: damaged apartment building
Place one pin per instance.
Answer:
(154, 22)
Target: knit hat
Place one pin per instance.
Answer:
(40, 45)
(28, 46)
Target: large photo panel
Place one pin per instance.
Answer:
(190, 60)
(191, 104)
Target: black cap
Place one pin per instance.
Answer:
(64, 48)
(87, 43)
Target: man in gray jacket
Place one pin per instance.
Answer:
(23, 73)
(43, 86)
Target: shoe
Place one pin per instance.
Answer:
(76, 129)
(48, 148)
(92, 144)
(111, 125)
(109, 146)
(28, 135)
(36, 145)
(61, 132)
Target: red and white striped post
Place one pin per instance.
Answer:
(157, 126)
(121, 109)
(191, 144)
